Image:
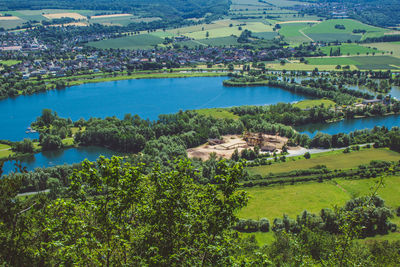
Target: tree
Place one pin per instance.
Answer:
(307, 155)
(116, 213)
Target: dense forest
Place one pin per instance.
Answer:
(157, 8)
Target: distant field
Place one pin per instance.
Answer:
(9, 62)
(302, 66)
(221, 41)
(351, 49)
(225, 31)
(326, 31)
(291, 32)
(312, 103)
(333, 160)
(362, 62)
(218, 113)
(387, 46)
(142, 41)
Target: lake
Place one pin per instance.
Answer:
(60, 157)
(146, 97)
(350, 125)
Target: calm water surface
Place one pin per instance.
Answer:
(147, 97)
(60, 157)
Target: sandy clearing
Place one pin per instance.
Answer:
(111, 16)
(232, 142)
(64, 15)
(79, 24)
(299, 21)
(9, 18)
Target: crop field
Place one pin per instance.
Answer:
(362, 62)
(386, 46)
(225, 31)
(350, 49)
(248, 4)
(220, 41)
(218, 113)
(142, 41)
(302, 66)
(328, 26)
(332, 160)
(312, 103)
(291, 32)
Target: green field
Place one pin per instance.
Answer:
(387, 46)
(273, 202)
(350, 49)
(225, 31)
(332, 160)
(142, 41)
(291, 32)
(5, 151)
(312, 103)
(362, 62)
(221, 41)
(9, 62)
(328, 27)
(218, 113)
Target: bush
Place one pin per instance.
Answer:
(307, 155)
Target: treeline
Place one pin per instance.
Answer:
(14, 85)
(376, 168)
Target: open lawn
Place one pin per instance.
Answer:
(273, 202)
(5, 151)
(332, 160)
(312, 103)
(350, 49)
(142, 41)
(9, 62)
(218, 113)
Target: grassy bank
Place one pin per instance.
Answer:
(218, 113)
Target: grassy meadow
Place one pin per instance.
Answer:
(142, 41)
(351, 49)
(332, 160)
(218, 113)
(313, 103)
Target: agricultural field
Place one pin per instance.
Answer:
(332, 160)
(386, 46)
(225, 31)
(313, 103)
(361, 62)
(293, 32)
(220, 41)
(218, 113)
(142, 41)
(351, 49)
(302, 66)
(326, 31)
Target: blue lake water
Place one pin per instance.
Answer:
(147, 97)
(346, 126)
(60, 157)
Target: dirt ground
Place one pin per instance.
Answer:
(231, 142)
(9, 18)
(64, 15)
(111, 16)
